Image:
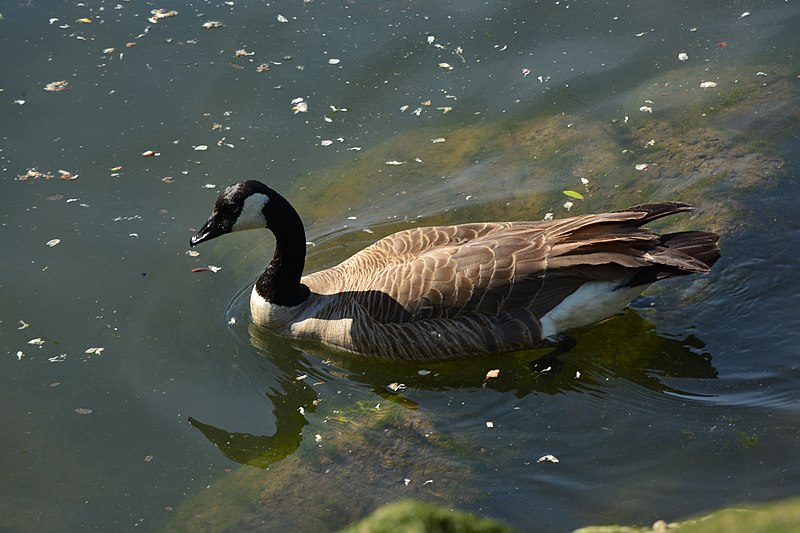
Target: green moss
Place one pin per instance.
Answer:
(782, 517)
(411, 516)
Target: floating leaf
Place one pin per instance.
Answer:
(574, 194)
(57, 86)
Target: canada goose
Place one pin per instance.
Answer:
(444, 292)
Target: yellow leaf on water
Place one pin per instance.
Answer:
(85, 20)
(574, 194)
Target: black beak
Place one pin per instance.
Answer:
(210, 230)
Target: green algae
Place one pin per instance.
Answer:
(516, 169)
(353, 459)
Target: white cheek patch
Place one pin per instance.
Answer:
(252, 216)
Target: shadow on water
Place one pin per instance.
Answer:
(625, 347)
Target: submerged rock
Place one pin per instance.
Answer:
(344, 468)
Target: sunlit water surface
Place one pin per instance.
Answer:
(687, 402)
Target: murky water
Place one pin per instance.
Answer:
(687, 402)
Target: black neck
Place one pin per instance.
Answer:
(280, 282)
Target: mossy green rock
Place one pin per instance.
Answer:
(782, 517)
(411, 516)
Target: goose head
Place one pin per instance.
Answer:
(239, 207)
(253, 205)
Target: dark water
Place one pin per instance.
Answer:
(687, 402)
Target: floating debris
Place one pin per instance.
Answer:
(326, 142)
(60, 358)
(489, 424)
(38, 341)
(334, 61)
(395, 163)
(67, 176)
(94, 351)
(23, 325)
(243, 53)
(211, 24)
(641, 166)
(683, 56)
(708, 84)
(573, 194)
(53, 242)
(492, 374)
(445, 66)
(646, 109)
(395, 387)
(299, 106)
(438, 140)
(200, 148)
(547, 459)
(281, 18)
(209, 268)
(151, 153)
(83, 410)
(33, 173)
(262, 67)
(57, 86)
(445, 109)
(161, 13)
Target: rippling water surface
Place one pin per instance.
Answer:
(191, 419)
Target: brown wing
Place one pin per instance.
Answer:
(492, 268)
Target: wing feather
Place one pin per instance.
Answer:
(495, 268)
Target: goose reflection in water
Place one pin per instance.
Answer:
(624, 348)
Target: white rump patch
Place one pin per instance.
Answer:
(592, 302)
(252, 216)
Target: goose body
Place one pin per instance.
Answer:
(444, 292)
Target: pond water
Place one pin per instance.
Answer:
(190, 419)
